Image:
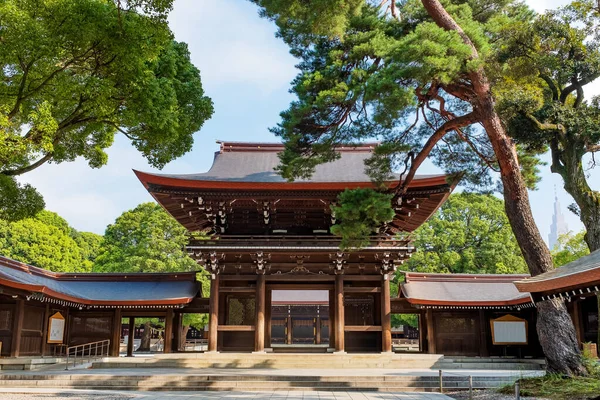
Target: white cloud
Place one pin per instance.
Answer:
(232, 45)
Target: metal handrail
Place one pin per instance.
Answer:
(94, 350)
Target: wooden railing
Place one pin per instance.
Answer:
(87, 351)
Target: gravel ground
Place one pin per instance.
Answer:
(61, 396)
(487, 395)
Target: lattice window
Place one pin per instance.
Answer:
(359, 309)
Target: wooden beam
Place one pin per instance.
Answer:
(247, 289)
(213, 323)
(318, 330)
(577, 321)
(339, 313)
(288, 337)
(268, 310)
(483, 345)
(363, 328)
(431, 347)
(237, 277)
(332, 318)
(351, 289)
(15, 348)
(296, 277)
(45, 329)
(386, 315)
(422, 330)
(299, 286)
(236, 328)
(115, 336)
(168, 339)
(259, 334)
(131, 337)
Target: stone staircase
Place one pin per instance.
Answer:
(321, 361)
(29, 363)
(490, 363)
(275, 361)
(249, 383)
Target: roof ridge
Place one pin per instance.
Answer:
(236, 146)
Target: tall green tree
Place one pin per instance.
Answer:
(47, 241)
(74, 73)
(569, 248)
(468, 234)
(416, 75)
(145, 239)
(547, 65)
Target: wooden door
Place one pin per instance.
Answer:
(33, 331)
(457, 333)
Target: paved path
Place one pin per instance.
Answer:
(60, 394)
(272, 372)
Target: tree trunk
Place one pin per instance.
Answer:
(575, 183)
(183, 330)
(554, 326)
(145, 343)
(588, 200)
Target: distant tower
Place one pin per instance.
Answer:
(559, 225)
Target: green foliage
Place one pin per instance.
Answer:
(569, 247)
(145, 239)
(393, 78)
(47, 241)
(405, 319)
(18, 201)
(558, 387)
(470, 233)
(360, 213)
(545, 67)
(198, 321)
(73, 73)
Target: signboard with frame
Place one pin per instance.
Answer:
(56, 328)
(509, 330)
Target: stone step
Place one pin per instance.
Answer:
(282, 361)
(247, 382)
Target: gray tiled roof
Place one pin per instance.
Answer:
(463, 288)
(259, 166)
(99, 290)
(584, 264)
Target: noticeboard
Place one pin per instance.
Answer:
(56, 328)
(509, 329)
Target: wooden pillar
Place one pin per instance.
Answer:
(45, 330)
(176, 342)
(422, 329)
(268, 309)
(131, 337)
(332, 319)
(259, 331)
(115, 337)
(577, 321)
(339, 313)
(289, 339)
(431, 347)
(483, 343)
(168, 339)
(15, 347)
(213, 324)
(318, 329)
(386, 315)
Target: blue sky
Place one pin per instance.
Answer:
(246, 71)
